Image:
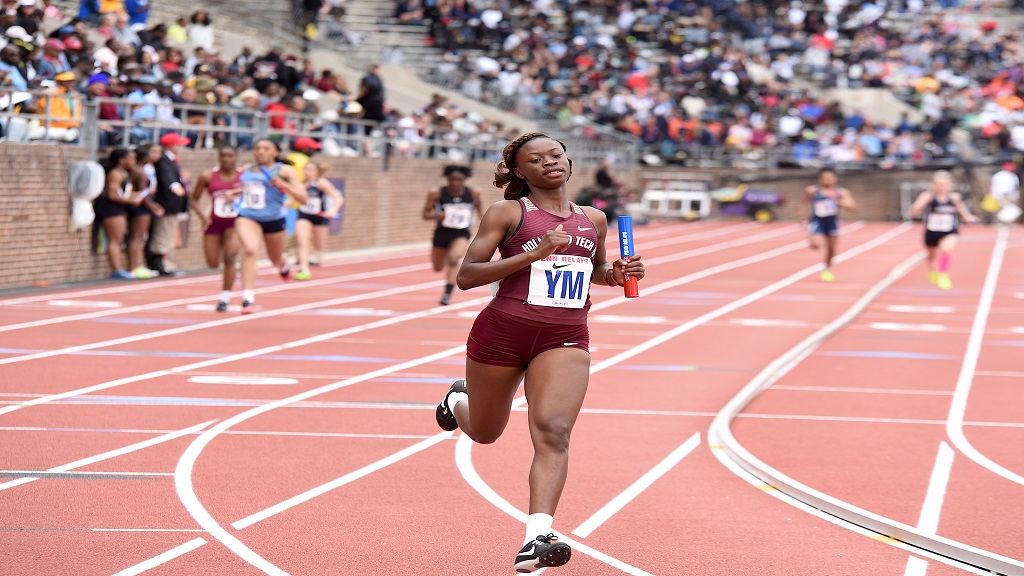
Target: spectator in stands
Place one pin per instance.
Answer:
(53, 61)
(200, 30)
(371, 96)
(178, 32)
(125, 33)
(28, 17)
(138, 13)
(65, 112)
(98, 86)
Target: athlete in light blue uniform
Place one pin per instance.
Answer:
(262, 205)
(824, 201)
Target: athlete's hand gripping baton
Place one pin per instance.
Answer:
(626, 249)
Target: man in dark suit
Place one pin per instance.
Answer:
(172, 195)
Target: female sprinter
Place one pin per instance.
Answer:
(315, 215)
(266, 187)
(112, 207)
(942, 208)
(219, 237)
(824, 200)
(536, 325)
(452, 207)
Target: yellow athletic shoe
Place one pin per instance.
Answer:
(303, 276)
(827, 275)
(933, 276)
(944, 283)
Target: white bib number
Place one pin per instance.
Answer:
(254, 195)
(127, 192)
(825, 208)
(312, 206)
(941, 222)
(457, 216)
(560, 281)
(223, 208)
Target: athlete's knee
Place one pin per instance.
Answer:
(553, 434)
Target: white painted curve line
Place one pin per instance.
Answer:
(113, 453)
(244, 380)
(899, 327)
(343, 480)
(644, 482)
(186, 464)
(162, 558)
(242, 355)
(962, 392)
(747, 466)
(221, 322)
(464, 460)
(463, 453)
(928, 522)
(115, 310)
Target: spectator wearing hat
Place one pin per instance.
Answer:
(29, 17)
(172, 196)
(54, 61)
(302, 149)
(98, 86)
(63, 108)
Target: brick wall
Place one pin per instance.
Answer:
(382, 209)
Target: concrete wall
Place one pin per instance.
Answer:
(383, 207)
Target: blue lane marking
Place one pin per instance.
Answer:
(1007, 342)
(677, 302)
(887, 354)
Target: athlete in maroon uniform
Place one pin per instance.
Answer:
(223, 185)
(536, 326)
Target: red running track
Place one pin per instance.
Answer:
(144, 433)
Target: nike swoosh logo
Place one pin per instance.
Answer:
(569, 343)
(560, 265)
(582, 229)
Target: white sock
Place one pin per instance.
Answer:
(248, 295)
(537, 525)
(225, 295)
(455, 398)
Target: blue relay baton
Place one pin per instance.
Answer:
(626, 249)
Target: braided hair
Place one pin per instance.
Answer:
(504, 177)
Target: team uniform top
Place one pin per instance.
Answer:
(942, 217)
(318, 202)
(458, 210)
(223, 208)
(824, 208)
(260, 200)
(555, 290)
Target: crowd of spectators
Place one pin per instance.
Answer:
(110, 50)
(751, 77)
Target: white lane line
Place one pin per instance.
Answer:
(243, 355)
(186, 464)
(738, 459)
(644, 482)
(233, 433)
(113, 453)
(339, 482)
(767, 323)
(901, 391)
(85, 303)
(243, 380)
(962, 392)
(928, 522)
(899, 327)
(218, 323)
(1017, 329)
(905, 308)
(614, 319)
(145, 530)
(162, 558)
(45, 473)
(116, 310)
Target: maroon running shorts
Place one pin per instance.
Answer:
(219, 225)
(500, 339)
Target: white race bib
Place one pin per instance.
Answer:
(254, 195)
(941, 222)
(560, 281)
(312, 206)
(127, 192)
(457, 216)
(825, 208)
(223, 208)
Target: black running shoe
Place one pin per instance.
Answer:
(286, 273)
(542, 552)
(248, 307)
(446, 299)
(445, 417)
(222, 306)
